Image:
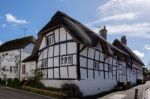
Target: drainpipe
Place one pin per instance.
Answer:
(19, 65)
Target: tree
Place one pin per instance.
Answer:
(145, 72)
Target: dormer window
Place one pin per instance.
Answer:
(50, 39)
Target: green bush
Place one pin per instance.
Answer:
(139, 81)
(13, 82)
(71, 90)
(2, 82)
(9, 81)
(36, 84)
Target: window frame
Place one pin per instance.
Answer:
(23, 69)
(49, 39)
(67, 57)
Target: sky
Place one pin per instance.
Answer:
(19, 18)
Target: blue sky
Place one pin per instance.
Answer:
(121, 17)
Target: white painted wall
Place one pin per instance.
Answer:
(29, 71)
(10, 61)
(97, 83)
(55, 53)
(89, 85)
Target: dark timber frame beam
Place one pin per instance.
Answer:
(78, 62)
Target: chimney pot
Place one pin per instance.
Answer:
(124, 40)
(103, 32)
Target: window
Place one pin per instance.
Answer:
(15, 69)
(44, 63)
(23, 69)
(110, 67)
(50, 39)
(11, 68)
(66, 60)
(96, 65)
(128, 61)
(124, 71)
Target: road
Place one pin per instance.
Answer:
(7, 93)
(147, 93)
(129, 94)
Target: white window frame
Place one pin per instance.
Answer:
(50, 39)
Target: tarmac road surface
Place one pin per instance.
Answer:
(8, 93)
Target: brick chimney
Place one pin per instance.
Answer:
(124, 40)
(103, 32)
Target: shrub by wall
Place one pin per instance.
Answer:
(71, 90)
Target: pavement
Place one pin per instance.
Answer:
(147, 93)
(143, 93)
(130, 93)
(9, 93)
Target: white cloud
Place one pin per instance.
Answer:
(129, 17)
(117, 17)
(147, 47)
(138, 53)
(12, 19)
(113, 7)
(124, 16)
(141, 30)
(138, 29)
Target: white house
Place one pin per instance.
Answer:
(66, 51)
(11, 55)
(133, 63)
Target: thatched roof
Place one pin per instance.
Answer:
(78, 31)
(126, 49)
(17, 43)
(119, 53)
(80, 34)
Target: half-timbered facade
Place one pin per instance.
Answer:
(58, 55)
(133, 63)
(11, 55)
(68, 52)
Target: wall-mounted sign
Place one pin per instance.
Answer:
(66, 60)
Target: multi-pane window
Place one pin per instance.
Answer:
(66, 60)
(23, 69)
(96, 65)
(50, 40)
(124, 71)
(110, 68)
(44, 63)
